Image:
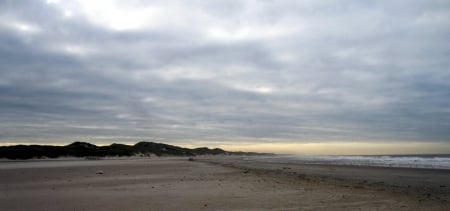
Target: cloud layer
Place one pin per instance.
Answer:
(224, 71)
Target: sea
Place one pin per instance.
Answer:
(428, 161)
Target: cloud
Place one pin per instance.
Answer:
(224, 71)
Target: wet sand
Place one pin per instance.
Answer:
(214, 183)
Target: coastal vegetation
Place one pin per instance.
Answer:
(84, 149)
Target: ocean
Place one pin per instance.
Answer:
(429, 161)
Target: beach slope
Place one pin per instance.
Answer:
(209, 183)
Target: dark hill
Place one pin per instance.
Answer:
(84, 149)
(82, 145)
(161, 149)
(206, 150)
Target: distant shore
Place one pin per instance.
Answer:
(215, 183)
(429, 182)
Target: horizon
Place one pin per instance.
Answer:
(299, 149)
(265, 76)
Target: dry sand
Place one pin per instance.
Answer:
(211, 183)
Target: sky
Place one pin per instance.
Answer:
(301, 76)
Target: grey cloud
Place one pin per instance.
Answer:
(278, 70)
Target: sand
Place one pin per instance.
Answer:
(214, 183)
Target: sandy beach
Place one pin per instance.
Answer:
(215, 183)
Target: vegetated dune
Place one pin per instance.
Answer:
(84, 149)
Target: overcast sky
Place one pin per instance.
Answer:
(205, 72)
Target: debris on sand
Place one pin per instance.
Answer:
(99, 172)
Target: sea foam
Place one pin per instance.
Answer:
(440, 161)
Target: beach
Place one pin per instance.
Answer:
(215, 183)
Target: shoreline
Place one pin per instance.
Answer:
(424, 180)
(207, 183)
